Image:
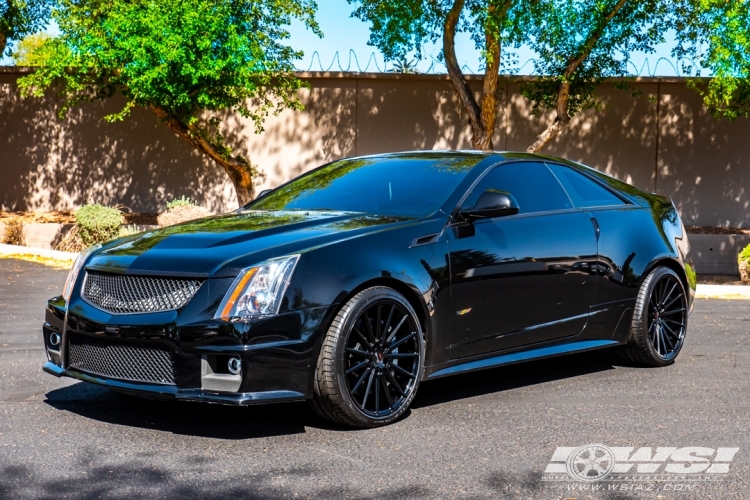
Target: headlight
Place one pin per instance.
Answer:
(258, 290)
(77, 265)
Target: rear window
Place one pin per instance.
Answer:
(583, 191)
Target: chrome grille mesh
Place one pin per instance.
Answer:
(118, 293)
(121, 359)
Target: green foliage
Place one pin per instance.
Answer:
(716, 35)
(31, 50)
(400, 28)
(744, 255)
(583, 42)
(182, 57)
(691, 276)
(19, 18)
(182, 201)
(98, 224)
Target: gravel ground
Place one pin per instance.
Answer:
(485, 435)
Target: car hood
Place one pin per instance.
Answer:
(222, 245)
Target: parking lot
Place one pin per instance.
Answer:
(488, 435)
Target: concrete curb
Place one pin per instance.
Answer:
(38, 252)
(722, 292)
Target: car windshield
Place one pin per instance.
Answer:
(409, 186)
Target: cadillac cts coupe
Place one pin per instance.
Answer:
(354, 282)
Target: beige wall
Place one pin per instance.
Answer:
(664, 141)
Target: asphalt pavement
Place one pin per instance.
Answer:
(484, 435)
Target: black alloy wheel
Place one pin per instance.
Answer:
(371, 360)
(667, 317)
(660, 317)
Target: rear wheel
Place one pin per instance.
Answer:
(659, 324)
(371, 360)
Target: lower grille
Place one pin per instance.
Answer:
(121, 359)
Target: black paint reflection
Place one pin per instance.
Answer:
(522, 279)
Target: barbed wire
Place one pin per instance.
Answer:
(436, 66)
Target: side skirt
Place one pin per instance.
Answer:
(519, 357)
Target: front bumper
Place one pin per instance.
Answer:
(156, 391)
(278, 354)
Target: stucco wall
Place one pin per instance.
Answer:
(664, 141)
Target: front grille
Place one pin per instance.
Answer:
(121, 359)
(119, 293)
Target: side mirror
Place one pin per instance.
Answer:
(263, 193)
(492, 203)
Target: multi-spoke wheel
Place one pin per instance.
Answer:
(659, 320)
(371, 360)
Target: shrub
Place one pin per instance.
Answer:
(71, 242)
(744, 255)
(14, 233)
(743, 259)
(181, 213)
(97, 223)
(180, 202)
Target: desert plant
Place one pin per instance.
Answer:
(14, 233)
(97, 223)
(71, 242)
(182, 201)
(743, 259)
(181, 213)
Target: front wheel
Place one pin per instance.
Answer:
(659, 324)
(371, 360)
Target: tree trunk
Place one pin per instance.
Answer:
(482, 116)
(561, 120)
(238, 169)
(3, 41)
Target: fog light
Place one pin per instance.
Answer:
(54, 339)
(234, 365)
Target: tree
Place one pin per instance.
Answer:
(19, 18)
(30, 50)
(399, 28)
(582, 42)
(185, 61)
(716, 33)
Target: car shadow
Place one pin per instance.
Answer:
(180, 417)
(247, 422)
(457, 387)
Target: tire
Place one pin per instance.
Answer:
(371, 360)
(657, 332)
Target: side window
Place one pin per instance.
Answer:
(583, 191)
(532, 185)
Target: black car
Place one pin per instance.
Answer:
(350, 284)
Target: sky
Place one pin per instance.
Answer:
(344, 34)
(344, 48)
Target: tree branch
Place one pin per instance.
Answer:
(238, 169)
(491, 73)
(457, 77)
(562, 118)
(574, 62)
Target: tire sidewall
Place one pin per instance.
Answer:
(653, 279)
(357, 305)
